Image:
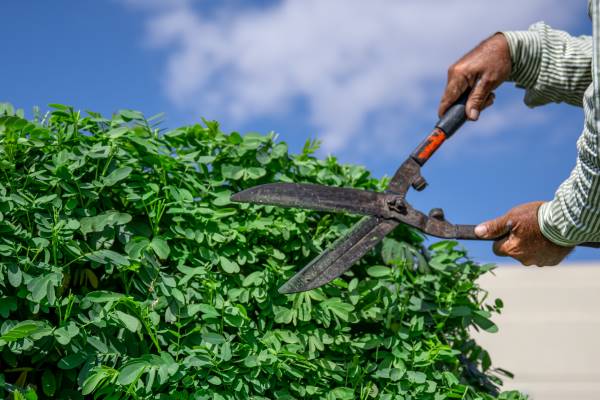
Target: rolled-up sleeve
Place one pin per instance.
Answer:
(550, 64)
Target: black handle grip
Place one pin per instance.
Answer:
(452, 120)
(455, 116)
(467, 232)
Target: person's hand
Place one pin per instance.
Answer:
(520, 237)
(484, 68)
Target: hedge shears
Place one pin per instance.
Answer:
(384, 210)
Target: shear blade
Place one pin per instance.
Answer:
(316, 197)
(344, 252)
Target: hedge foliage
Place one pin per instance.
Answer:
(125, 272)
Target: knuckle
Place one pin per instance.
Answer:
(477, 101)
(493, 78)
(486, 82)
(477, 97)
(453, 69)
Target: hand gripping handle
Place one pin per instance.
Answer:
(452, 120)
(467, 232)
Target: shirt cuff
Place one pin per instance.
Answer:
(549, 230)
(526, 55)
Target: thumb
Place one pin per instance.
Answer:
(493, 229)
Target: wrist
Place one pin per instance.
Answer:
(525, 49)
(549, 230)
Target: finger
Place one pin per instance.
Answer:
(495, 228)
(457, 84)
(500, 247)
(478, 97)
(489, 101)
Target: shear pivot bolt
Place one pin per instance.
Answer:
(397, 204)
(437, 213)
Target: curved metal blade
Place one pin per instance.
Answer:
(317, 197)
(343, 253)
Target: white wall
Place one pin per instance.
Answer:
(549, 330)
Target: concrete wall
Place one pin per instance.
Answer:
(549, 331)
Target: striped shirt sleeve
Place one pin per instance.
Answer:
(554, 67)
(550, 64)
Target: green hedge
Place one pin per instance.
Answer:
(125, 272)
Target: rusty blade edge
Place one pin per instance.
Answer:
(344, 252)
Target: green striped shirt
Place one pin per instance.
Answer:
(553, 66)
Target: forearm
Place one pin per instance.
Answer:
(552, 65)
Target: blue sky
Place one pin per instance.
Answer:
(364, 77)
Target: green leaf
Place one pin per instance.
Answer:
(48, 383)
(225, 353)
(117, 132)
(45, 199)
(103, 296)
(21, 330)
(131, 372)
(97, 344)
(64, 334)
(480, 318)
(130, 115)
(7, 305)
(231, 267)
(213, 338)
(99, 222)
(283, 315)
(160, 247)
(460, 311)
(136, 246)
(117, 175)
(108, 257)
(279, 150)
(378, 271)
(129, 321)
(416, 377)
(93, 381)
(44, 286)
(393, 252)
(254, 172)
(450, 378)
(337, 307)
(28, 394)
(234, 172)
(253, 279)
(343, 393)
(15, 276)
(72, 361)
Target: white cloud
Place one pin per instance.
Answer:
(362, 68)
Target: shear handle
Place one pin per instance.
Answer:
(452, 120)
(467, 232)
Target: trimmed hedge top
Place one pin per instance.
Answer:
(125, 272)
